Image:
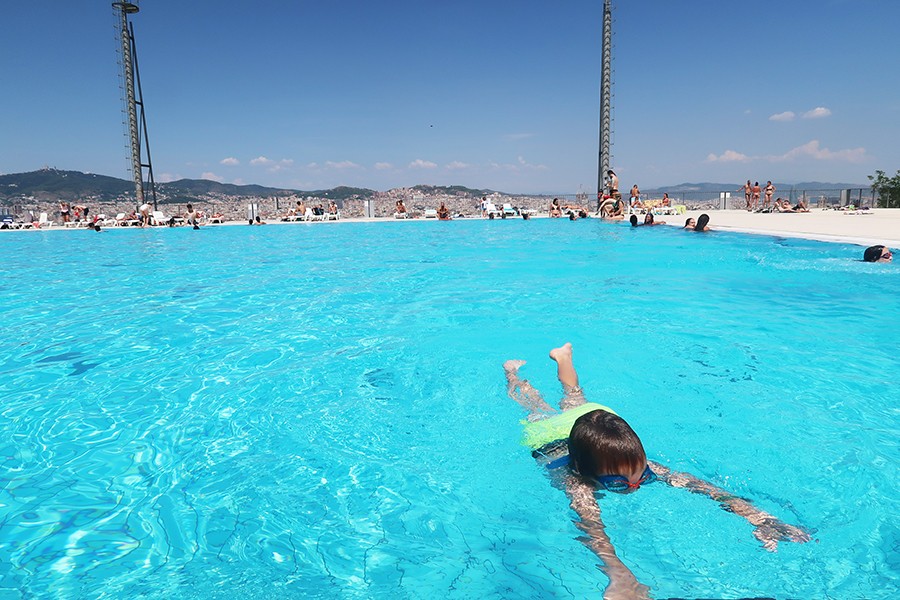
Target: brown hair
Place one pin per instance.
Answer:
(602, 443)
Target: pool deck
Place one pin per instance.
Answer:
(879, 226)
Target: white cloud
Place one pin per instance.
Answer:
(344, 164)
(422, 164)
(230, 161)
(785, 116)
(819, 112)
(383, 166)
(238, 181)
(457, 165)
(813, 150)
(281, 164)
(211, 176)
(521, 165)
(728, 156)
(312, 165)
(168, 178)
(261, 160)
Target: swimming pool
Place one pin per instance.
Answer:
(320, 410)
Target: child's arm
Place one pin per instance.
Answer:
(767, 528)
(622, 582)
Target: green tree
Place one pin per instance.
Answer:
(887, 188)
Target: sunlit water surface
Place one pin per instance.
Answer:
(320, 411)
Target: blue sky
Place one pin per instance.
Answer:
(490, 93)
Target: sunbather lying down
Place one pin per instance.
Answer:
(588, 447)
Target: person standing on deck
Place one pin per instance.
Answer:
(770, 189)
(747, 187)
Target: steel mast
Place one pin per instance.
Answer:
(605, 98)
(134, 97)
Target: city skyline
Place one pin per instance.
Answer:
(499, 95)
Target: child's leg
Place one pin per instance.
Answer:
(522, 392)
(568, 377)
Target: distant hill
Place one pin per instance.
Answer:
(57, 184)
(205, 186)
(458, 190)
(64, 185)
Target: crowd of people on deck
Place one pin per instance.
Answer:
(753, 191)
(302, 212)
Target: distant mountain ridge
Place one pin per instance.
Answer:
(72, 185)
(56, 184)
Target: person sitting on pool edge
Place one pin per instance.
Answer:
(600, 450)
(880, 254)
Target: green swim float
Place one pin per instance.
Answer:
(557, 427)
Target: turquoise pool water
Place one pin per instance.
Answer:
(320, 411)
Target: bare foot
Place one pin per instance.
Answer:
(563, 352)
(511, 368)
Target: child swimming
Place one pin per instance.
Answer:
(592, 447)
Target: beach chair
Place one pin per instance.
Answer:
(401, 215)
(157, 217)
(491, 209)
(43, 221)
(431, 213)
(333, 216)
(508, 209)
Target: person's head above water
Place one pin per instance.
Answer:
(633, 220)
(702, 222)
(648, 219)
(690, 223)
(602, 444)
(878, 254)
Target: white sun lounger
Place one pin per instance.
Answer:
(491, 209)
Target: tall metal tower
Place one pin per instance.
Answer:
(605, 97)
(134, 98)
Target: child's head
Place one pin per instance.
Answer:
(602, 443)
(877, 254)
(702, 222)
